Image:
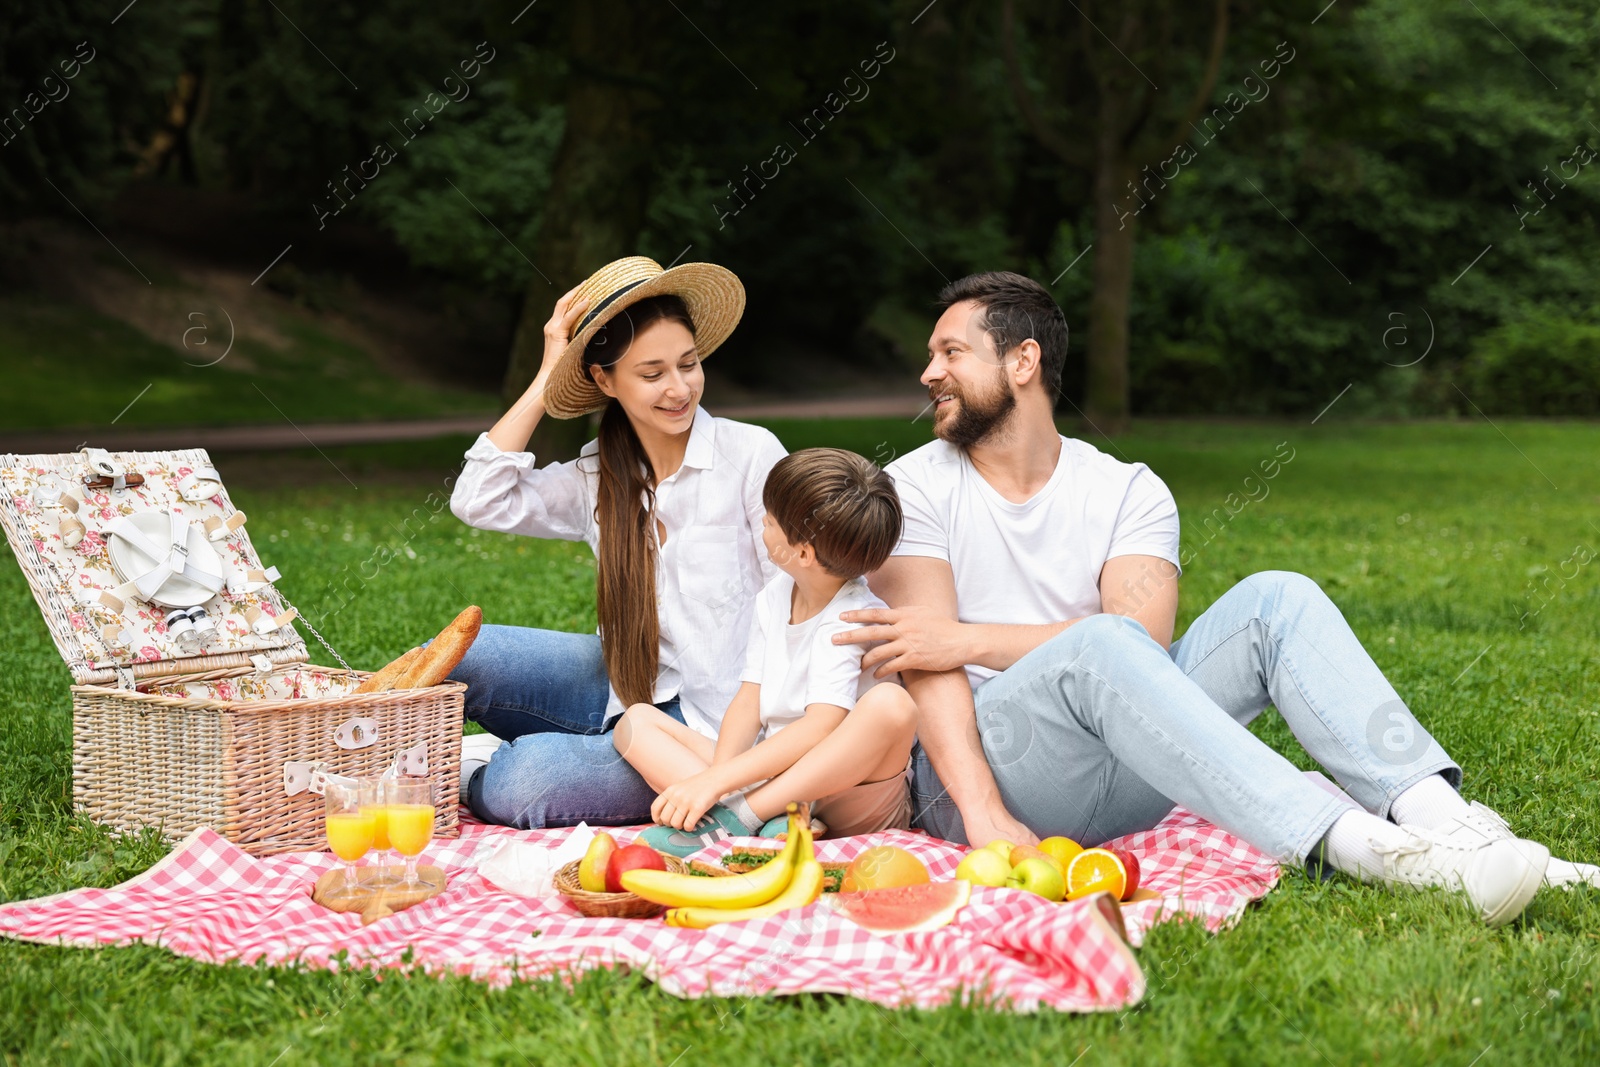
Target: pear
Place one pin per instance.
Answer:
(592, 868)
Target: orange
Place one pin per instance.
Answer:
(1062, 848)
(884, 867)
(1094, 870)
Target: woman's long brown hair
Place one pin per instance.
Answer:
(625, 507)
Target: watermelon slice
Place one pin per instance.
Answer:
(905, 909)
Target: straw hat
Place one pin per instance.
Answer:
(713, 294)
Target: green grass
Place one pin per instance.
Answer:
(80, 368)
(1439, 541)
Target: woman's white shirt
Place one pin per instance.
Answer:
(707, 573)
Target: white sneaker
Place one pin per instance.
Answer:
(1499, 876)
(476, 751)
(1488, 824)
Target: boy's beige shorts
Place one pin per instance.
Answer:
(868, 807)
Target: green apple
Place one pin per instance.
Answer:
(1025, 852)
(984, 867)
(1040, 876)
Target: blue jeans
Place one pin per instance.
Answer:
(1098, 731)
(545, 692)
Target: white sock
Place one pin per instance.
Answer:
(737, 804)
(1431, 802)
(1567, 873)
(1350, 844)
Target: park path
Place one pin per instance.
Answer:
(286, 435)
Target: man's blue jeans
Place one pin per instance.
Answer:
(1098, 731)
(545, 692)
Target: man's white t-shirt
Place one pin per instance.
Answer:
(1038, 561)
(797, 664)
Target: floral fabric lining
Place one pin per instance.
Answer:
(75, 577)
(295, 684)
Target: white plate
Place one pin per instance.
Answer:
(178, 591)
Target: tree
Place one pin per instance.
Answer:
(1108, 77)
(601, 184)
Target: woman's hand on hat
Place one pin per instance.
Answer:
(558, 331)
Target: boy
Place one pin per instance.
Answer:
(807, 722)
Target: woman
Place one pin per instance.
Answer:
(668, 498)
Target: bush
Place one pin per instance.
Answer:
(1171, 377)
(1546, 366)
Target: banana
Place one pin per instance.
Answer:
(805, 888)
(741, 891)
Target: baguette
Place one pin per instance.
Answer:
(444, 653)
(384, 677)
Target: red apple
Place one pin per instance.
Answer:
(1131, 865)
(637, 857)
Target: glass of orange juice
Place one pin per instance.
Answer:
(350, 830)
(410, 804)
(383, 875)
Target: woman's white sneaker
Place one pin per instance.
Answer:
(476, 751)
(1500, 877)
(1488, 825)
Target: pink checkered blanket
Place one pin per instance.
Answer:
(210, 901)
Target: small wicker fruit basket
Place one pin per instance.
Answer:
(194, 703)
(610, 905)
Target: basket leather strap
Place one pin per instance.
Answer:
(116, 635)
(105, 467)
(218, 529)
(71, 527)
(252, 580)
(101, 463)
(200, 485)
(264, 624)
(117, 599)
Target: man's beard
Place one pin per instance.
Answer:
(975, 420)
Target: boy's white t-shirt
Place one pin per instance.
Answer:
(797, 664)
(1038, 561)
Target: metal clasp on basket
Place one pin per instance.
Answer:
(312, 776)
(302, 777)
(409, 762)
(359, 732)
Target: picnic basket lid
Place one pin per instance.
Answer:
(76, 584)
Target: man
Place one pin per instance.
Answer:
(1032, 602)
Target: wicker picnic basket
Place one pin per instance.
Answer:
(214, 717)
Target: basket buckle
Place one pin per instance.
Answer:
(302, 777)
(410, 762)
(360, 732)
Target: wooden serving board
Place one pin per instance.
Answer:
(384, 902)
